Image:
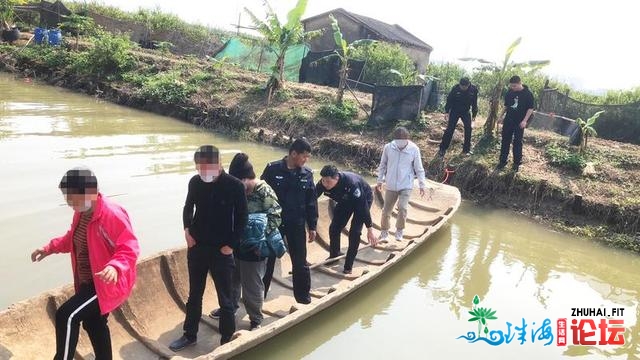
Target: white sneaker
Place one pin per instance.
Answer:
(384, 234)
(399, 235)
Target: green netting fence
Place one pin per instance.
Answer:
(254, 56)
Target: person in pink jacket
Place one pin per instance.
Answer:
(104, 252)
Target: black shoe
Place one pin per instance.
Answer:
(254, 325)
(304, 301)
(182, 343)
(346, 271)
(332, 259)
(515, 167)
(215, 314)
(441, 153)
(501, 166)
(467, 153)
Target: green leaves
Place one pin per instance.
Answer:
(295, 14)
(511, 49)
(482, 314)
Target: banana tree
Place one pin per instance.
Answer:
(344, 53)
(587, 129)
(77, 25)
(500, 73)
(279, 37)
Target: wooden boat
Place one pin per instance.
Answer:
(152, 317)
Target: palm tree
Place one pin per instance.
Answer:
(280, 37)
(481, 315)
(500, 72)
(587, 129)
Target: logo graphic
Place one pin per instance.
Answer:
(515, 103)
(582, 329)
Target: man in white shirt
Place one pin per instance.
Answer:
(401, 162)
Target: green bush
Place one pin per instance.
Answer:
(109, 56)
(168, 88)
(381, 58)
(340, 114)
(563, 157)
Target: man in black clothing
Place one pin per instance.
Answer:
(518, 107)
(353, 196)
(295, 188)
(461, 97)
(211, 235)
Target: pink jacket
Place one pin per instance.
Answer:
(110, 241)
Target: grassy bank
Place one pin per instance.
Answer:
(224, 98)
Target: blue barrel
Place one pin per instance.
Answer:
(55, 37)
(40, 35)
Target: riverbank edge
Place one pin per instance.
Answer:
(477, 182)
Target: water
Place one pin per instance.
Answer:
(419, 309)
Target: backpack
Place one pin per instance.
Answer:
(255, 241)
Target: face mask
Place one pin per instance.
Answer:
(209, 176)
(401, 143)
(84, 207)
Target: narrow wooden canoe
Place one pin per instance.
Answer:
(143, 327)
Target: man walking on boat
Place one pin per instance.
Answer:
(293, 183)
(211, 234)
(401, 162)
(353, 196)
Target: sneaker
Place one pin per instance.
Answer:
(215, 314)
(384, 234)
(501, 166)
(182, 343)
(254, 325)
(515, 167)
(399, 235)
(346, 271)
(467, 153)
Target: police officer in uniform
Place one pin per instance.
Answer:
(293, 183)
(353, 196)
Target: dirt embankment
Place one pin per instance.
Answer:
(603, 204)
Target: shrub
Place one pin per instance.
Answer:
(340, 114)
(168, 88)
(380, 59)
(562, 157)
(109, 56)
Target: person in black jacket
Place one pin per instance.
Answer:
(518, 107)
(211, 234)
(296, 191)
(461, 98)
(353, 196)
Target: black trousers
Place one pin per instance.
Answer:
(341, 215)
(82, 307)
(451, 127)
(296, 237)
(203, 260)
(511, 132)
